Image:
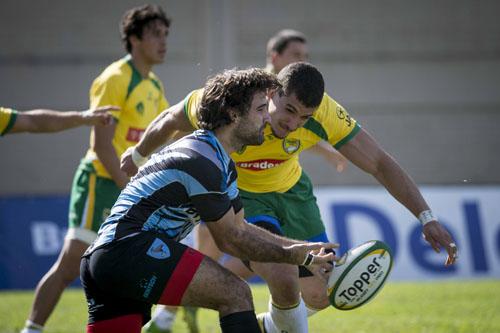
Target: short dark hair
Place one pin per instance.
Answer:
(305, 81)
(232, 90)
(280, 41)
(134, 20)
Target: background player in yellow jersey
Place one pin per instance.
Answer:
(46, 121)
(129, 84)
(277, 194)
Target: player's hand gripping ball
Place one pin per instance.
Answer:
(359, 275)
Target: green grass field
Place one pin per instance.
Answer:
(472, 306)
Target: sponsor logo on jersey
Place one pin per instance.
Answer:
(290, 146)
(134, 134)
(259, 165)
(158, 250)
(148, 285)
(342, 114)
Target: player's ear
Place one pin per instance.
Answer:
(233, 115)
(134, 40)
(274, 55)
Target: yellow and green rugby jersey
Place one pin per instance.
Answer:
(140, 100)
(274, 166)
(7, 120)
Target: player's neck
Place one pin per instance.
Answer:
(142, 66)
(226, 138)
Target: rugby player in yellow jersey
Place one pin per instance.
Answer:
(277, 194)
(47, 121)
(129, 84)
(285, 47)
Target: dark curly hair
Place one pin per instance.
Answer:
(305, 81)
(232, 90)
(134, 20)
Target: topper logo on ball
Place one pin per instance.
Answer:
(359, 275)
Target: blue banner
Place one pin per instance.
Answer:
(32, 231)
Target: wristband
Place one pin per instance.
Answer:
(308, 260)
(138, 159)
(426, 216)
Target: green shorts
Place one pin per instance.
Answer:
(296, 210)
(91, 198)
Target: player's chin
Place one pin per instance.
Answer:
(160, 58)
(280, 133)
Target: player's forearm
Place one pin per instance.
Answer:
(51, 121)
(256, 244)
(107, 155)
(157, 134)
(270, 237)
(400, 185)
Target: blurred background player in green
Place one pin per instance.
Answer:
(129, 84)
(47, 121)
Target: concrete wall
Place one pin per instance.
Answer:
(422, 76)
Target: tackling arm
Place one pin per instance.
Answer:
(169, 123)
(367, 154)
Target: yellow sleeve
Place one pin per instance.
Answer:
(7, 120)
(191, 104)
(109, 90)
(339, 125)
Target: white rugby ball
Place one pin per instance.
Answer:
(359, 275)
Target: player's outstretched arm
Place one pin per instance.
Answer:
(46, 121)
(364, 152)
(161, 130)
(243, 240)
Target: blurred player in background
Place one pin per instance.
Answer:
(277, 194)
(129, 84)
(47, 121)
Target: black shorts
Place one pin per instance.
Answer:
(128, 276)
